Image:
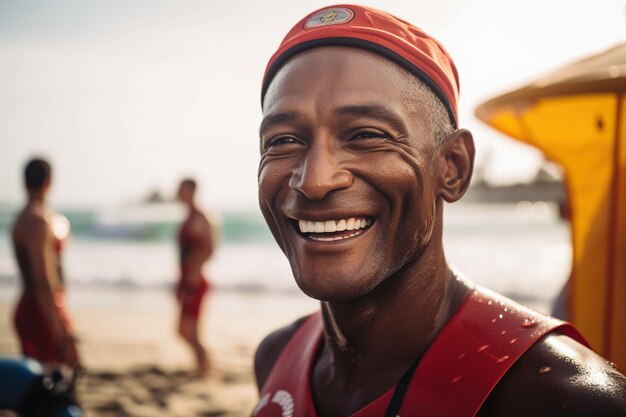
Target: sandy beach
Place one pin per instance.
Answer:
(136, 365)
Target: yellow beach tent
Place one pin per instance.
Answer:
(577, 117)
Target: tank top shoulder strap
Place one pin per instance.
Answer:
(287, 389)
(478, 345)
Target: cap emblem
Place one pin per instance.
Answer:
(335, 16)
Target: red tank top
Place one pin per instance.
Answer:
(474, 350)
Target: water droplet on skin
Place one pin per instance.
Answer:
(480, 300)
(503, 332)
(513, 340)
(483, 347)
(527, 323)
(490, 302)
(613, 365)
(500, 316)
(493, 320)
(544, 370)
(461, 356)
(502, 359)
(506, 309)
(456, 379)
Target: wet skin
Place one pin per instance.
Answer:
(345, 136)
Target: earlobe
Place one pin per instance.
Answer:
(457, 162)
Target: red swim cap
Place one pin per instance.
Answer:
(378, 32)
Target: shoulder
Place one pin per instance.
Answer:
(559, 377)
(199, 222)
(31, 224)
(270, 349)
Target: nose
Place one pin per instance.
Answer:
(320, 173)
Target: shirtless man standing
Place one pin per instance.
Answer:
(195, 240)
(360, 148)
(40, 319)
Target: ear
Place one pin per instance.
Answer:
(46, 183)
(456, 159)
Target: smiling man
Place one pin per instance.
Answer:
(360, 149)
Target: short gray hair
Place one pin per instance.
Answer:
(436, 113)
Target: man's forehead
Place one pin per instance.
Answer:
(345, 84)
(337, 59)
(359, 76)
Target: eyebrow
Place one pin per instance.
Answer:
(374, 111)
(277, 118)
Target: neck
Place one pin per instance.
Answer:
(36, 197)
(383, 332)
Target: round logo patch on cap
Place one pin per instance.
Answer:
(335, 16)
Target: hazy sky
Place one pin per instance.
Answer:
(125, 96)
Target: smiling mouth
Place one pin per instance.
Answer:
(332, 230)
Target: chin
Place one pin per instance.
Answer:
(327, 286)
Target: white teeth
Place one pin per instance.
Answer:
(323, 238)
(330, 226)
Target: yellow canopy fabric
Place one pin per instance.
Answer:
(577, 117)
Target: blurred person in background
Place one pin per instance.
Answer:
(360, 149)
(38, 234)
(196, 245)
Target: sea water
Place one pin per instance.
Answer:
(519, 249)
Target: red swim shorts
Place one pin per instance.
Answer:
(191, 298)
(36, 337)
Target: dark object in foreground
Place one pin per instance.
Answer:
(32, 390)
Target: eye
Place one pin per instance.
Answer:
(280, 141)
(371, 134)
